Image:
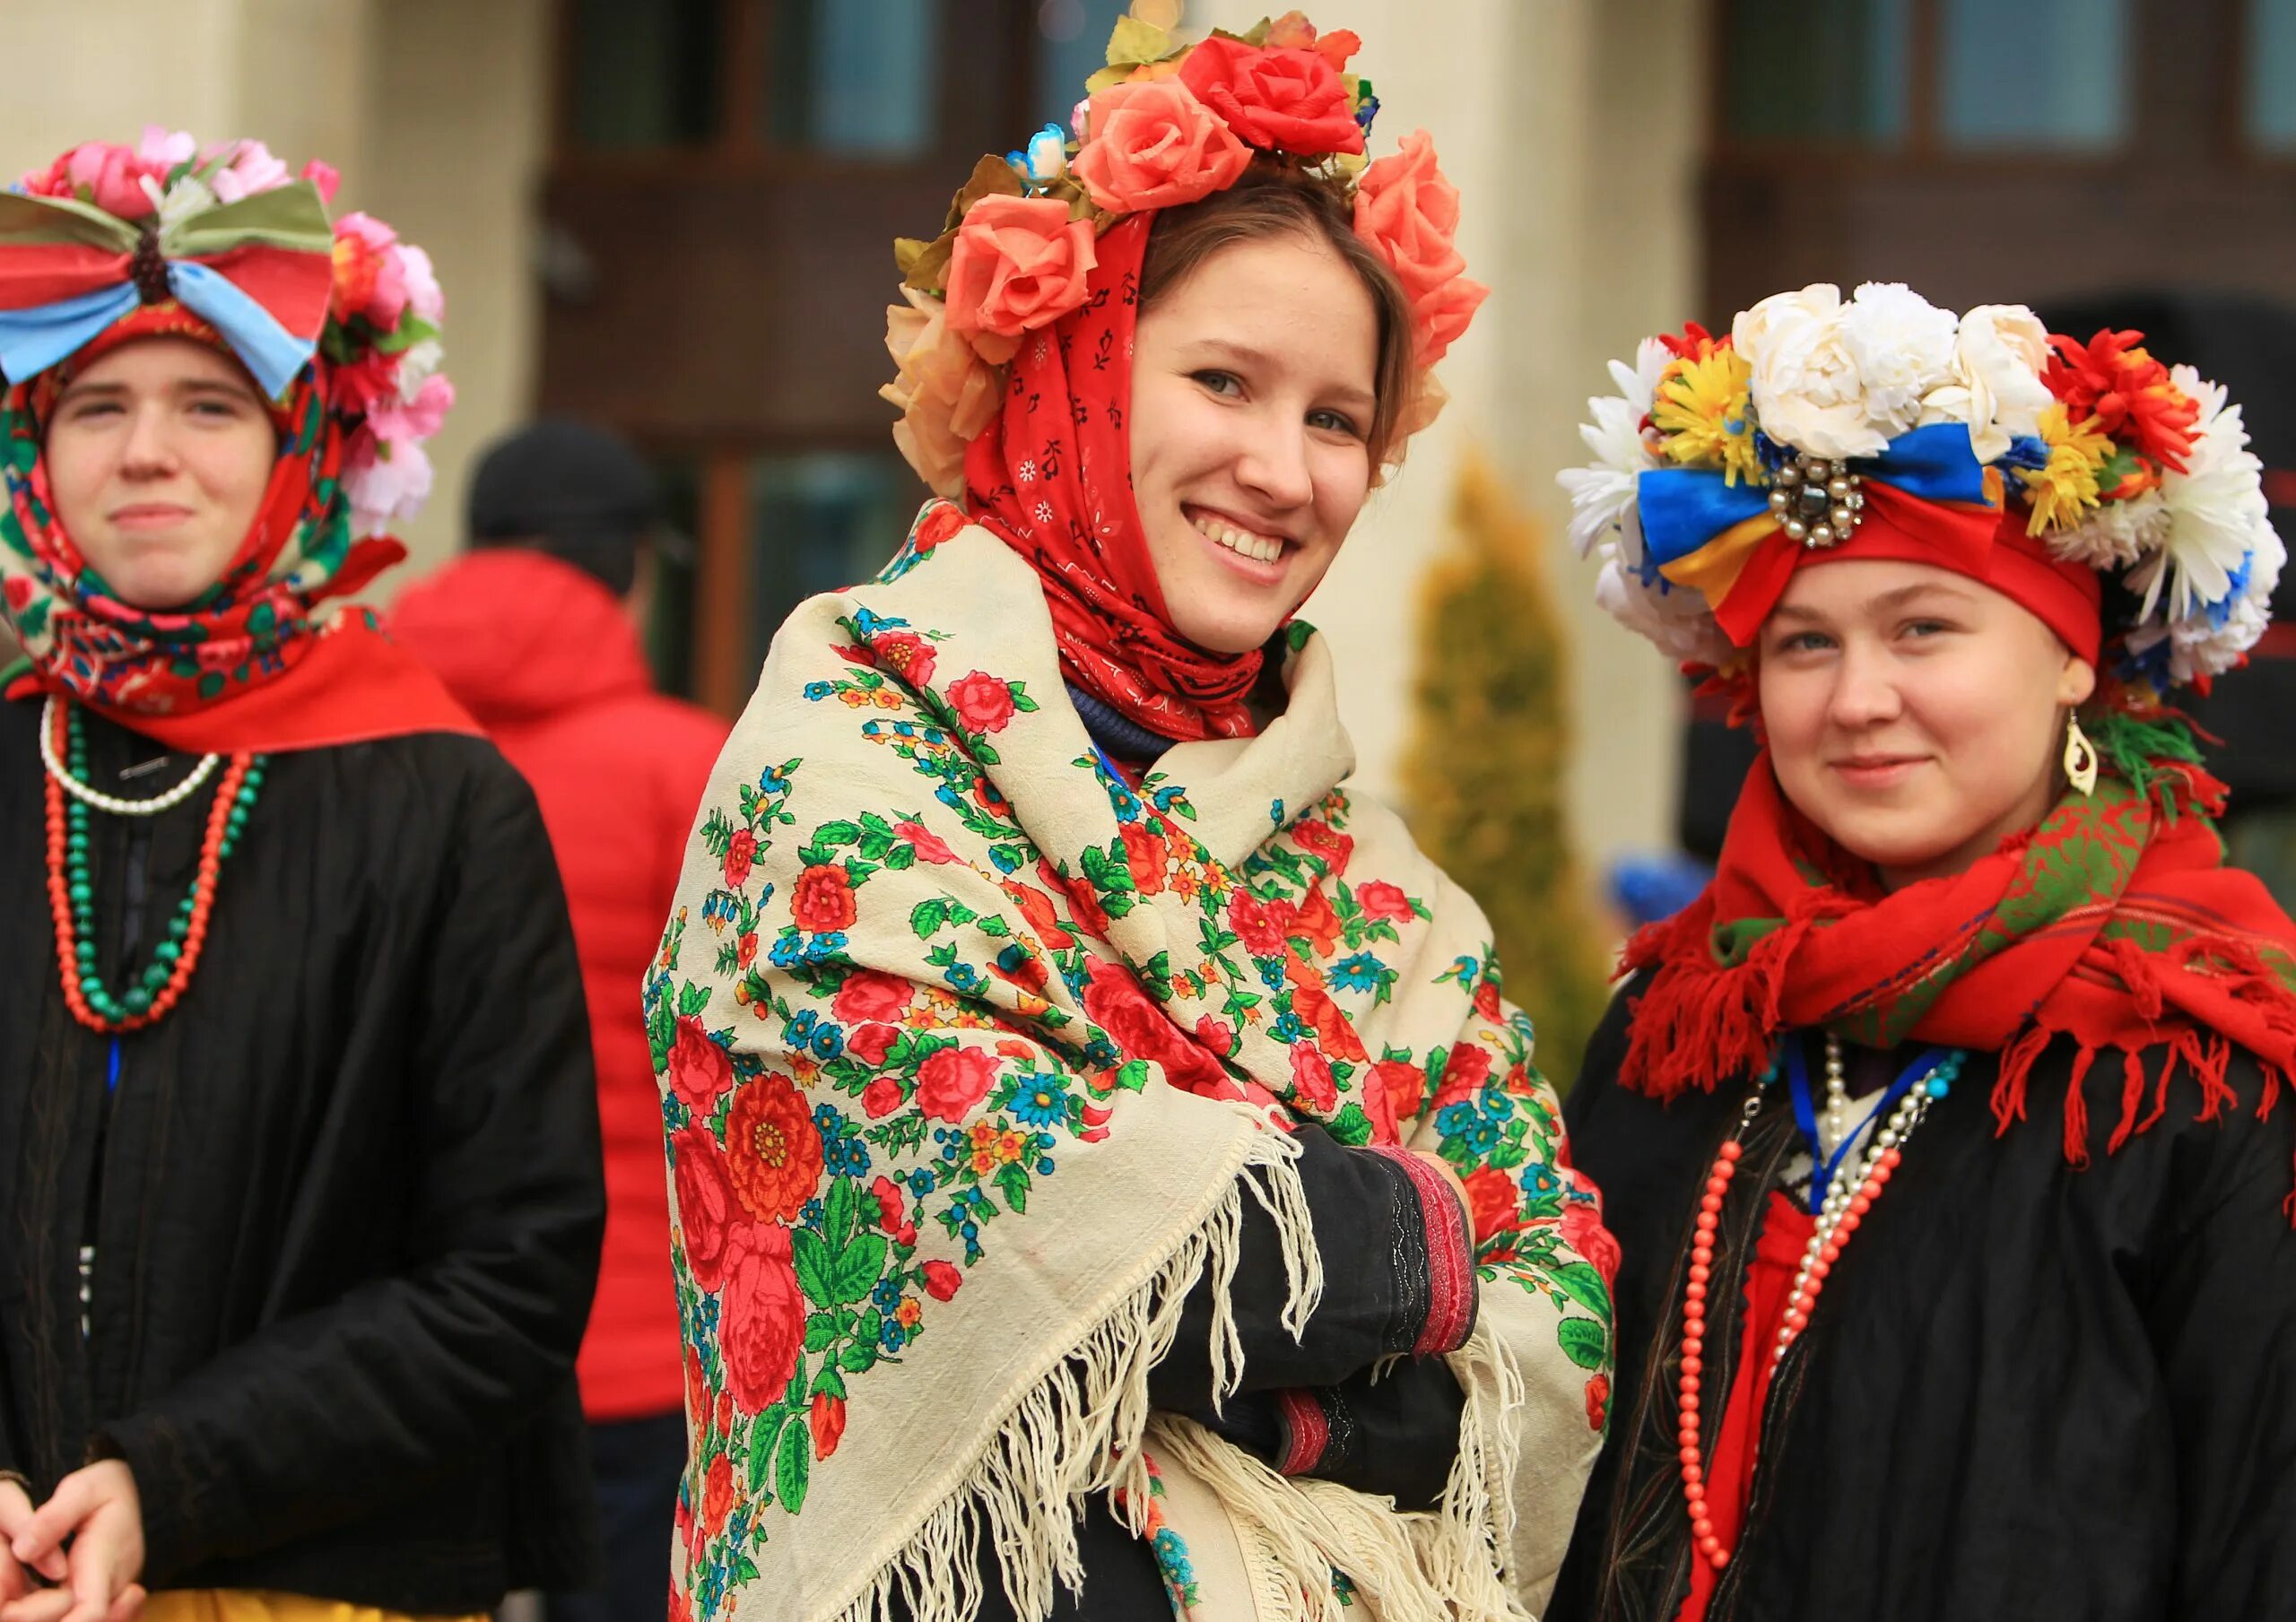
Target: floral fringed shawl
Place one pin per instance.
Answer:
(970, 1055)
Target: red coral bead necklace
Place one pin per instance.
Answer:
(1844, 1207)
(71, 891)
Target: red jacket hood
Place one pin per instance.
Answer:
(515, 634)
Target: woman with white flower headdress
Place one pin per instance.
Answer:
(299, 1191)
(1943, 1131)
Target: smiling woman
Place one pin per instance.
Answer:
(1899, 1354)
(1159, 1205)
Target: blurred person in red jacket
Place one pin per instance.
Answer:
(536, 630)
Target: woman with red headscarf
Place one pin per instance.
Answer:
(1107, 1178)
(299, 1196)
(1943, 1133)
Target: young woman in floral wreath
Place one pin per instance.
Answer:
(299, 1196)
(1944, 1132)
(1108, 1182)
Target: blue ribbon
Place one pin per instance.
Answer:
(33, 340)
(1824, 1168)
(1683, 508)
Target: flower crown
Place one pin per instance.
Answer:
(367, 303)
(2134, 469)
(1162, 125)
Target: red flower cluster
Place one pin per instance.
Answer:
(1281, 98)
(2113, 379)
(822, 900)
(773, 1149)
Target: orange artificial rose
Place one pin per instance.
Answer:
(1153, 145)
(946, 392)
(1404, 208)
(1019, 263)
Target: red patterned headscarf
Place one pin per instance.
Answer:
(1051, 476)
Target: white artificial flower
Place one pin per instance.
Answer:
(186, 198)
(1047, 155)
(391, 482)
(1602, 495)
(1902, 346)
(1807, 393)
(1674, 617)
(2115, 534)
(416, 368)
(2217, 511)
(1996, 387)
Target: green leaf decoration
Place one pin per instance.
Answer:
(793, 1468)
(815, 1266)
(928, 918)
(857, 1270)
(1583, 1284)
(1585, 1343)
(840, 1207)
(859, 1357)
(819, 1333)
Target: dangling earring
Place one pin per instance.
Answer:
(2080, 757)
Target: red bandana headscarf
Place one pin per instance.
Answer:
(1051, 476)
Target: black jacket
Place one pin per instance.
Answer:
(2026, 1391)
(344, 1200)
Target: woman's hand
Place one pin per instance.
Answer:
(1450, 1175)
(15, 1515)
(96, 1511)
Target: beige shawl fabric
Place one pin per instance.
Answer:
(970, 1056)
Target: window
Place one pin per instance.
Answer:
(1071, 46)
(2034, 75)
(820, 520)
(644, 77)
(2271, 65)
(1821, 71)
(857, 77)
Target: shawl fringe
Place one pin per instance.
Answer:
(1445, 1564)
(1079, 1429)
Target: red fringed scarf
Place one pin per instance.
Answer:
(2112, 923)
(1051, 476)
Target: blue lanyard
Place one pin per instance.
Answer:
(1823, 1168)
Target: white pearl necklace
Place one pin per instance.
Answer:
(1845, 1194)
(1837, 1124)
(101, 800)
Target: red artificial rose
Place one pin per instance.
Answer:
(1598, 1401)
(1405, 1086)
(1486, 1002)
(1407, 211)
(907, 654)
(1143, 857)
(827, 1420)
(891, 1212)
(882, 1096)
(1583, 1231)
(1312, 1088)
(1320, 838)
(822, 899)
(870, 994)
(1018, 263)
(740, 853)
(928, 845)
(1262, 925)
(717, 1495)
(707, 1208)
(1493, 1202)
(1463, 1074)
(872, 1043)
(1152, 144)
(1382, 900)
(941, 1281)
(772, 1147)
(984, 704)
(952, 1081)
(761, 1316)
(699, 1069)
(1287, 100)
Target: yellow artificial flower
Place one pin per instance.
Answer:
(1703, 406)
(2065, 490)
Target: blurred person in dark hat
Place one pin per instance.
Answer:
(536, 630)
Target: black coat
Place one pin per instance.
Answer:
(344, 1200)
(2026, 1391)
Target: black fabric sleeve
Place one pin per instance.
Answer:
(2222, 1316)
(1395, 1434)
(1390, 1254)
(411, 1378)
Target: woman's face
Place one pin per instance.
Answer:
(1915, 715)
(158, 454)
(1252, 395)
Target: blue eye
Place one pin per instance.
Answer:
(1214, 380)
(1336, 422)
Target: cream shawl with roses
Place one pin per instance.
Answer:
(969, 1056)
